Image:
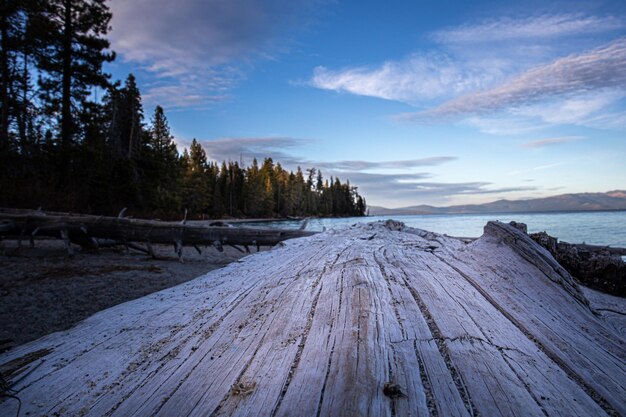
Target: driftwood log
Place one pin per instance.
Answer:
(372, 320)
(91, 231)
(598, 267)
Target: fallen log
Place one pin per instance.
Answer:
(599, 267)
(372, 320)
(86, 229)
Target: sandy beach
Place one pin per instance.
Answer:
(42, 290)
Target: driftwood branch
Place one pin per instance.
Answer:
(86, 229)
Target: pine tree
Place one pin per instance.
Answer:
(126, 119)
(71, 63)
(360, 206)
(162, 166)
(17, 45)
(253, 191)
(9, 30)
(196, 194)
(61, 128)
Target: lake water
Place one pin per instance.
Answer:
(597, 228)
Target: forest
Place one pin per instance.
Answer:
(73, 139)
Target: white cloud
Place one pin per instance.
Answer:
(199, 47)
(378, 165)
(530, 28)
(415, 79)
(578, 110)
(182, 94)
(552, 141)
(548, 166)
(443, 189)
(599, 110)
(278, 149)
(475, 59)
(500, 125)
(600, 69)
(225, 149)
(505, 76)
(607, 119)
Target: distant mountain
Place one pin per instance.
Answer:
(613, 200)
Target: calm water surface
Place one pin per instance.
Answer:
(598, 228)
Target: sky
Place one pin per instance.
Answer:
(415, 102)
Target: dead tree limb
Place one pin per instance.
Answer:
(85, 229)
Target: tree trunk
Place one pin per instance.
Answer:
(81, 228)
(23, 111)
(4, 67)
(66, 98)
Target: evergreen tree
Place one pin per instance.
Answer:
(126, 115)
(319, 183)
(196, 193)
(254, 191)
(18, 43)
(71, 62)
(162, 166)
(10, 26)
(116, 160)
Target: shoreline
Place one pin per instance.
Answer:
(489, 213)
(43, 291)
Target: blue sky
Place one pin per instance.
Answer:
(416, 102)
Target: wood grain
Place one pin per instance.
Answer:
(325, 325)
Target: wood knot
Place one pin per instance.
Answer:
(392, 390)
(243, 388)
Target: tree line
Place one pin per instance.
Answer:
(73, 139)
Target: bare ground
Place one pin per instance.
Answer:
(42, 290)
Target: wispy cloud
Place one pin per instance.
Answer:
(456, 70)
(199, 49)
(409, 188)
(278, 148)
(184, 94)
(392, 191)
(501, 125)
(588, 108)
(548, 166)
(505, 76)
(443, 189)
(552, 141)
(414, 79)
(226, 149)
(374, 185)
(373, 182)
(533, 28)
(598, 69)
(371, 165)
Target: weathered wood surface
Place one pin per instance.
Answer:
(82, 228)
(373, 320)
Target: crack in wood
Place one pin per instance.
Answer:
(443, 349)
(589, 390)
(328, 366)
(303, 339)
(426, 385)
